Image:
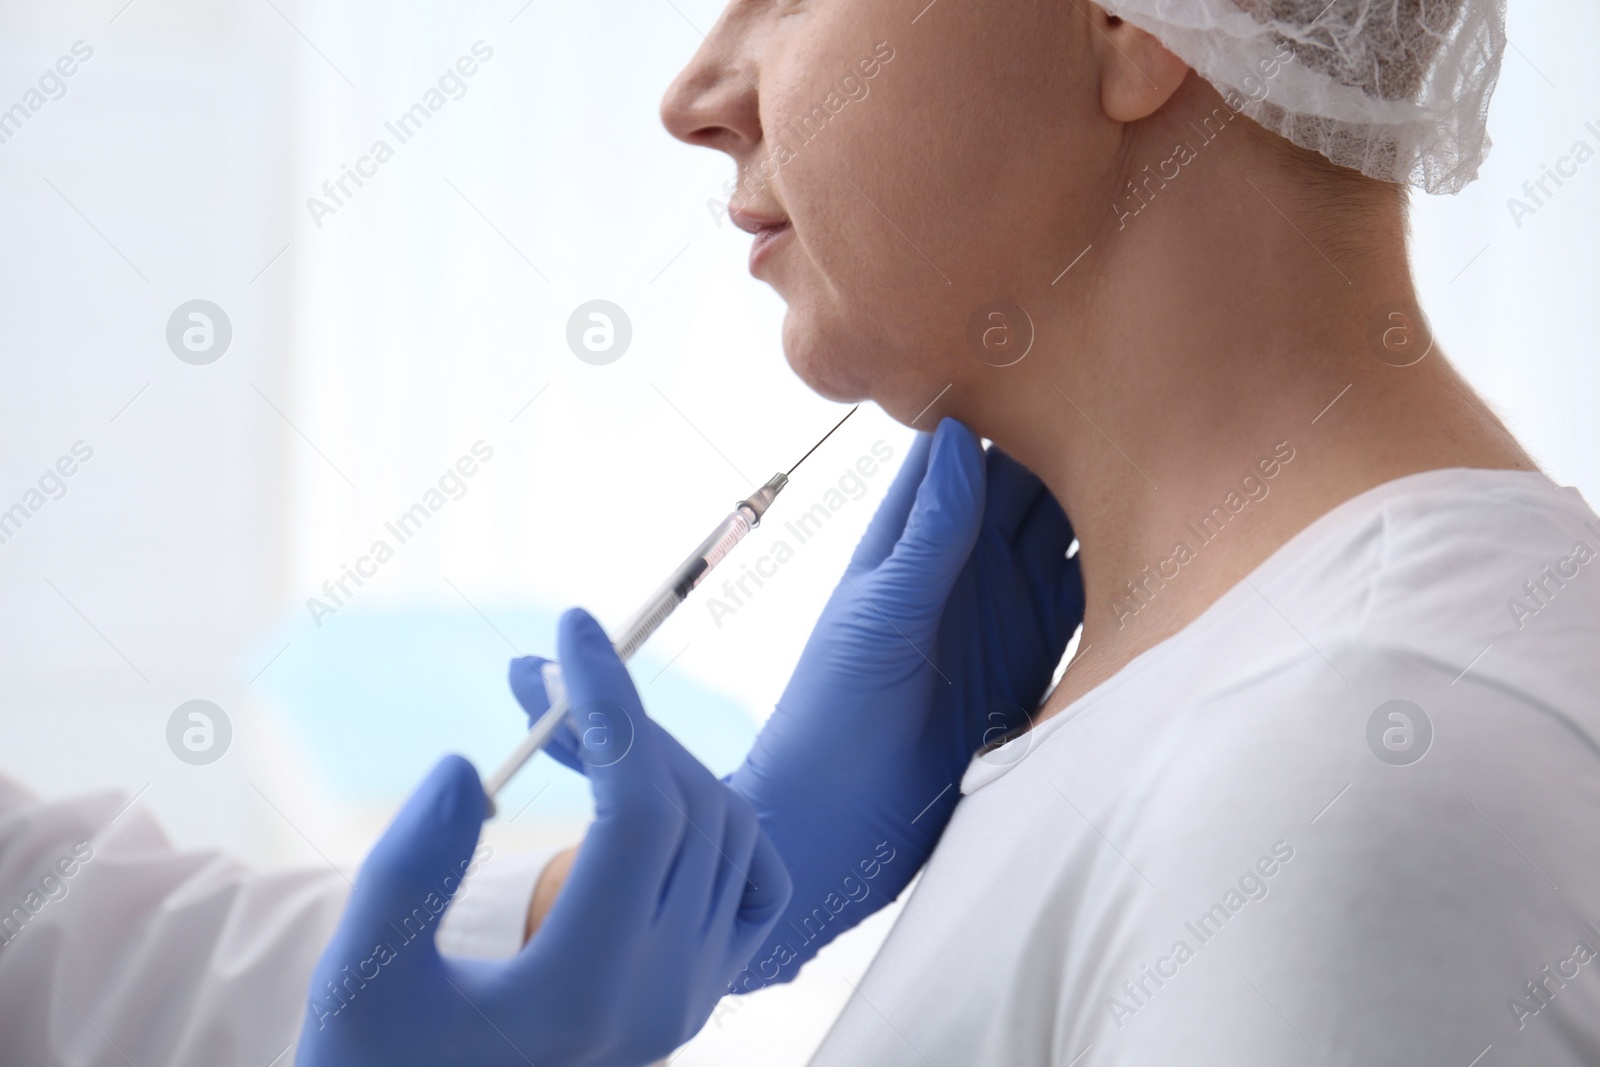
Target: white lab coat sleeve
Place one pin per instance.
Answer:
(489, 913)
(118, 948)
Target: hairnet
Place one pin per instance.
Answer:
(1397, 89)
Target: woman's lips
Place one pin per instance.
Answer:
(765, 243)
(768, 230)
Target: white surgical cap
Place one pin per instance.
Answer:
(1396, 89)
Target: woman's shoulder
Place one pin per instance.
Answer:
(1495, 572)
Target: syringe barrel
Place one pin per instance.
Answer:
(746, 516)
(715, 548)
(636, 631)
(710, 552)
(649, 618)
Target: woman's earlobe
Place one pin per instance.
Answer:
(1138, 73)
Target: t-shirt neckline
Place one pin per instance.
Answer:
(981, 771)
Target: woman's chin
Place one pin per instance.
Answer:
(829, 366)
(850, 364)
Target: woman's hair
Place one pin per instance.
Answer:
(1396, 89)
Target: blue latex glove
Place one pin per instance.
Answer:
(941, 639)
(858, 770)
(673, 889)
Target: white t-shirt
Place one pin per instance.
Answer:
(1230, 853)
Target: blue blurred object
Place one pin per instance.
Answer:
(378, 693)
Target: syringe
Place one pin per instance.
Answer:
(745, 516)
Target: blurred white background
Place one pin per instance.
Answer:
(374, 345)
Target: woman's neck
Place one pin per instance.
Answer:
(1218, 371)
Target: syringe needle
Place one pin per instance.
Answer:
(745, 517)
(818, 445)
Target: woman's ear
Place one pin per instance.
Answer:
(1137, 72)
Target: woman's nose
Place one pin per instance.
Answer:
(713, 101)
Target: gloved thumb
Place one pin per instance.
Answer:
(944, 521)
(528, 685)
(607, 721)
(418, 864)
(638, 810)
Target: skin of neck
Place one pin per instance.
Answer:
(1159, 379)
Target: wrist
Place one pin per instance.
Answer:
(488, 912)
(547, 889)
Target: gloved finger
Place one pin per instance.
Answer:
(741, 830)
(943, 524)
(1070, 600)
(702, 802)
(417, 865)
(767, 889)
(636, 832)
(1011, 492)
(526, 675)
(1045, 531)
(1040, 549)
(732, 840)
(605, 714)
(889, 522)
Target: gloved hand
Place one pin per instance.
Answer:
(858, 770)
(673, 890)
(941, 638)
